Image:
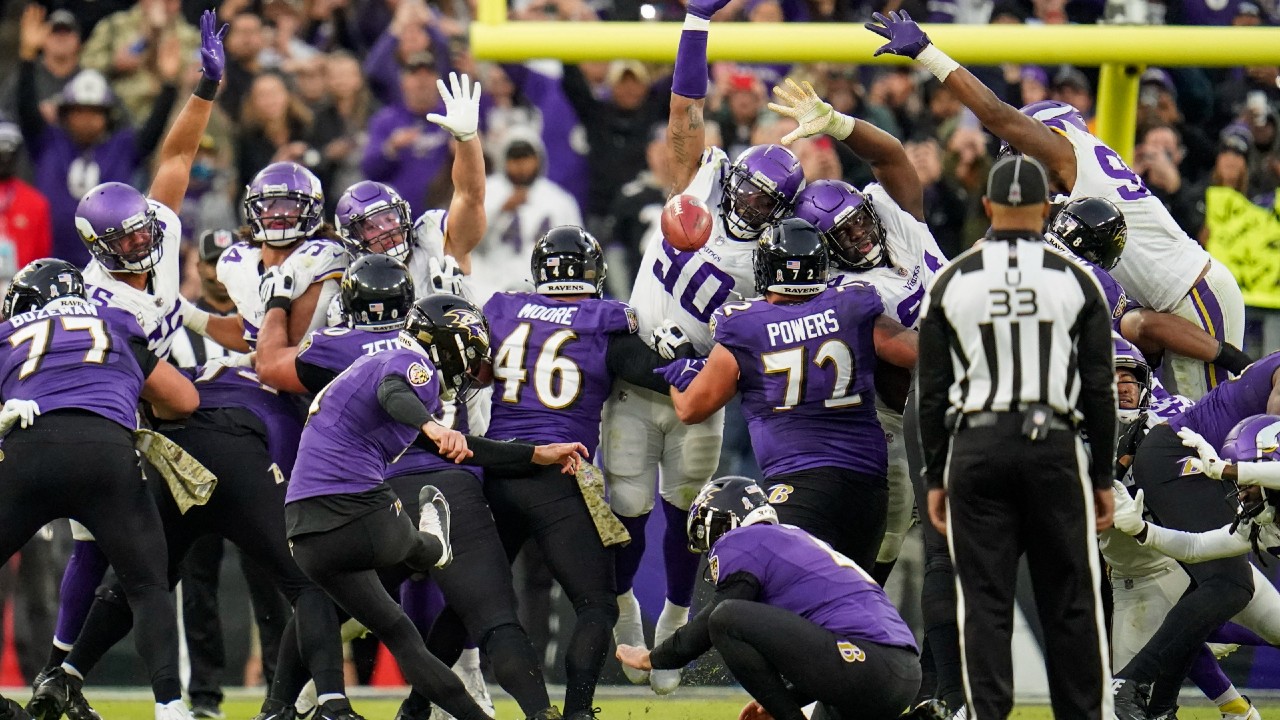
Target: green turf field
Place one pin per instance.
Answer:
(611, 709)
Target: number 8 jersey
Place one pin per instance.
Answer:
(687, 287)
(806, 375)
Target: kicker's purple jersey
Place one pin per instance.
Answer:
(74, 355)
(336, 348)
(1216, 413)
(806, 375)
(799, 573)
(350, 442)
(224, 386)
(550, 374)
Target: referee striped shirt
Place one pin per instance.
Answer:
(1012, 322)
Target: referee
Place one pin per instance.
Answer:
(1015, 355)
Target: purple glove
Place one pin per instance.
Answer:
(681, 372)
(213, 59)
(904, 35)
(705, 8)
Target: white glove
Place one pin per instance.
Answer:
(668, 338)
(445, 277)
(279, 282)
(813, 113)
(18, 411)
(1128, 513)
(461, 106)
(1212, 465)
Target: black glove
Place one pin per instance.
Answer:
(1232, 358)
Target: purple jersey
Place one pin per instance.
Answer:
(550, 375)
(225, 386)
(74, 355)
(350, 442)
(806, 375)
(802, 574)
(336, 348)
(1118, 301)
(1216, 413)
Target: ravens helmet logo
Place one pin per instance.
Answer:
(464, 319)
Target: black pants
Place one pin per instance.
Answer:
(247, 508)
(1008, 496)
(83, 466)
(478, 588)
(845, 509)
(344, 561)
(1220, 588)
(766, 648)
(201, 620)
(549, 508)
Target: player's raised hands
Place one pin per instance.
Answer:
(904, 35)
(462, 107)
(814, 115)
(213, 58)
(705, 8)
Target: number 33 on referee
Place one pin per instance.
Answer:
(1015, 361)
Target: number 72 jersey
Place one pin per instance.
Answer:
(806, 376)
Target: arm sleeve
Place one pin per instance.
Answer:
(490, 454)
(578, 92)
(1197, 547)
(630, 359)
(401, 403)
(314, 377)
(152, 130)
(691, 641)
(933, 385)
(147, 360)
(30, 121)
(1097, 400)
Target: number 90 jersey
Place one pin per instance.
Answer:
(687, 287)
(1160, 262)
(806, 375)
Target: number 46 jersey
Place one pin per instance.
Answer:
(687, 287)
(806, 375)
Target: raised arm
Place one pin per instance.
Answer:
(466, 224)
(1028, 135)
(178, 153)
(686, 132)
(31, 39)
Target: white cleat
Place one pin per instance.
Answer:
(629, 630)
(434, 521)
(468, 670)
(1252, 714)
(307, 699)
(175, 710)
(673, 617)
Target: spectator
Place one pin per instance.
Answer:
(59, 61)
(88, 144)
(739, 112)
(1266, 147)
(25, 230)
(522, 205)
(964, 168)
(404, 150)
(617, 130)
(945, 209)
(818, 158)
(563, 134)
(308, 80)
(211, 192)
(329, 25)
(1073, 88)
(243, 45)
(1156, 160)
(1034, 84)
(895, 90)
(1158, 104)
(412, 32)
(352, 104)
(285, 51)
(637, 207)
(275, 126)
(126, 46)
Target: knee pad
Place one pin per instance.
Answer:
(603, 606)
(631, 496)
(681, 494)
(890, 546)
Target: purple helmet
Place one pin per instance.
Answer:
(1254, 438)
(1129, 358)
(847, 221)
(373, 218)
(1055, 114)
(284, 204)
(759, 190)
(120, 227)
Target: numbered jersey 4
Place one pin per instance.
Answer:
(240, 269)
(687, 287)
(914, 257)
(806, 375)
(550, 374)
(156, 309)
(1160, 262)
(74, 355)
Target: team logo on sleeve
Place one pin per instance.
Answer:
(713, 563)
(418, 374)
(1191, 466)
(633, 323)
(849, 652)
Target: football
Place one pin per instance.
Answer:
(686, 223)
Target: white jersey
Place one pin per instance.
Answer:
(913, 255)
(157, 309)
(687, 287)
(240, 270)
(1160, 262)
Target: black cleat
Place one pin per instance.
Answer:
(551, 713)
(591, 714)
(414, 707)
(1131, 699)
(275, 710)
(931, 709)
(336, 710)
(1170, 714)
(58, 694)
(11, 710)
(206, 711)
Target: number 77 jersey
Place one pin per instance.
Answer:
(806, 375)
